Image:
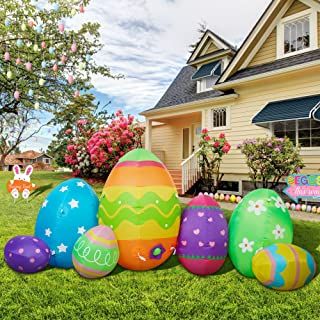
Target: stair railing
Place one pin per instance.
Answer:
(190, 171)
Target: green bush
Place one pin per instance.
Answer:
(270, 159)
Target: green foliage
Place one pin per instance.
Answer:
(270, 159)
(210, 157)
(23, 41)
(67, 118)
(169, 292)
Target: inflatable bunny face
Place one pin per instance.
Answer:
(22, 176)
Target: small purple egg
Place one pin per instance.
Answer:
(26, 254)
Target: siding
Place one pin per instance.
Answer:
(212, 48)
(252, 99)
(268, 51)
(296, 7)
(319, 29)
(167, 139)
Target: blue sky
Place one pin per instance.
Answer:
(147, 41)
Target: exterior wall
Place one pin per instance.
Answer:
(319, 29)
(251, 100)
(41, 159)
(212, 48)
(296, 7)
(167, 139)
(268, 51)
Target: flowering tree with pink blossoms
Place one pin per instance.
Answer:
(210, 156)
(92, 153)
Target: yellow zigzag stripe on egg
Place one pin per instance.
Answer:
(148, 231)
(155, 215)
(163, 192)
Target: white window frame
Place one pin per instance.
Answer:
(313, 16)
(228, 119)
(297, 135)
(201, 84)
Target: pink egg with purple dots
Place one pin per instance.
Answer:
(203, 239)
(26, 254)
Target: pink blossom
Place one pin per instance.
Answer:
(207, 138)
(204, 131)
(222, 135)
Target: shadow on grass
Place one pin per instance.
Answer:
(170, 263)
(40, 190)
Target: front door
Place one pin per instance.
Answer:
(196, 128)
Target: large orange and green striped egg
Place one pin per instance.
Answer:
(283, 266)
(139, 202)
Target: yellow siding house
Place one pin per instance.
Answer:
(270, 85)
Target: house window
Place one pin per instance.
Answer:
(207, 83)
(304, 132)
(46, 160)
(219, 118)
(297, 33)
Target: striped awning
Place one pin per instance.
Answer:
(286, 110)
(207, 70)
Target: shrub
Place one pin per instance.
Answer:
(93, 153)
(270, 159)
(210, 157)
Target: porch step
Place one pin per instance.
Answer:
(176, 175)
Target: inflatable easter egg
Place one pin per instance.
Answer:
(283, 267)
(26, 254)
(96, 253)
(259, 220)
(67, 213)
(203, 239)
(139, 202)
(233, 198)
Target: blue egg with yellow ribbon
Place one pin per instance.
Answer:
(66, 214)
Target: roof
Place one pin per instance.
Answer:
(276, 65)
(11, 160)
(226, 45)
(291, 109)
(183, 90)
(30, 154)
(208, 70)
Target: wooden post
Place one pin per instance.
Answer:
(148, 134)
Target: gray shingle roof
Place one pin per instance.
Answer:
(276, 65)
(183, 90)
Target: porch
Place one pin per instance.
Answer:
(175, 139)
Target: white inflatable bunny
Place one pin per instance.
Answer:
(21, 182)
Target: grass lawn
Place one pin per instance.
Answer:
(169, 292)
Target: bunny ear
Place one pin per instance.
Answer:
(29, 171)
(16, 169)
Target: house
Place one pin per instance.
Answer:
(41, 161)
(270, 85)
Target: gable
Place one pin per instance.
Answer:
(210, 47)
(265, 43)
(268, 51)
(296, 7)
(210, 44)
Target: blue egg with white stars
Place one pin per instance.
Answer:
(66, 214)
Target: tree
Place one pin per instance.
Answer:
(202, 28)
(67, 119)
(43, 64)
(270, 159)
(15, 129)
